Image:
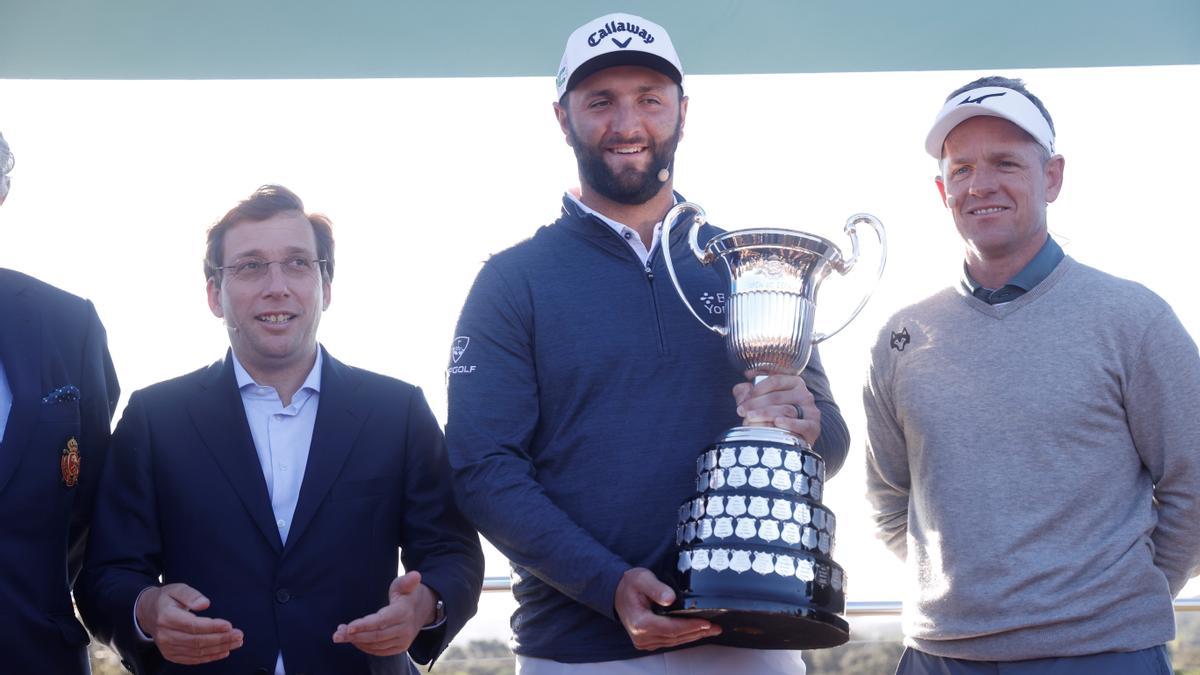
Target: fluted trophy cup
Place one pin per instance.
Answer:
(755, 543)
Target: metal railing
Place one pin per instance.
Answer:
(853, 607)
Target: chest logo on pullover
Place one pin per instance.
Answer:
(715, 304)
(900, 340)
(457, 349)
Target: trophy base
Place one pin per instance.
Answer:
(754, 544)
(764, 624)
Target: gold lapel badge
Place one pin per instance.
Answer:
(70, 463)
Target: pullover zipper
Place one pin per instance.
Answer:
(658, 319)
(648, 271)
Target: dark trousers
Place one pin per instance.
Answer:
(1152, 661)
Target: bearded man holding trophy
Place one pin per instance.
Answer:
(565, 333)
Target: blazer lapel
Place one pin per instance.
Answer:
(220, 419)
(336, 427)
(21, 353)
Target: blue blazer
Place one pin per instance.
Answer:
(56, 361)
(184, 497)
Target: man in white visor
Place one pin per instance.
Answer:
(1032, 429)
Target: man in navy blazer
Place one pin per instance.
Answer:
(274, 490)
(57, 396)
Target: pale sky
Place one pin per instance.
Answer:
(115, 183)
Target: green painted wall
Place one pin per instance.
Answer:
(140, 39)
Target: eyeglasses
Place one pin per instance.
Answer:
(256, 269)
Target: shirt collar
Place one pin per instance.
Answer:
(619, 228)
(313, 381)
(1034, 272)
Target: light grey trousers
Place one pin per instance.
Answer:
(702, 660)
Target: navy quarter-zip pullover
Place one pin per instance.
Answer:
(581, 391)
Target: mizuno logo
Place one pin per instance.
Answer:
(981, 99)
(624, 44)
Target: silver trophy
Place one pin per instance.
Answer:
(754, 543)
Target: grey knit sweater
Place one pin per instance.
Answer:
(1037, 465)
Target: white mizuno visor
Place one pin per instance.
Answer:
(994, 102)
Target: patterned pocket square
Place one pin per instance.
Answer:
(63, 394)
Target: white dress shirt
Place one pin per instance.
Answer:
(627, 233)
(282, 436)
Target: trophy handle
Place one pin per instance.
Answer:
(704, 257)
(844, 267)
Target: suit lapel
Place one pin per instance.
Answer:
(336, 428)
(220, 419)
(21, 352)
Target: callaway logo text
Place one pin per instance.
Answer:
(620, 27)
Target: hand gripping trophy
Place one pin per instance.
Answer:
(754, 542)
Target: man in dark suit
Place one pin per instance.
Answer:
(272, 490)
(57, 396)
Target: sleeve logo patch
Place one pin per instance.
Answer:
(457, 349)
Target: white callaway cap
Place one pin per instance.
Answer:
(616, 40)
(995, 102)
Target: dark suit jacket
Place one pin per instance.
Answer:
(49, 340)
(184, 497)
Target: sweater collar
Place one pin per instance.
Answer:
(1002, 310)
(1035, 272)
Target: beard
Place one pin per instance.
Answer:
(629, 186)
